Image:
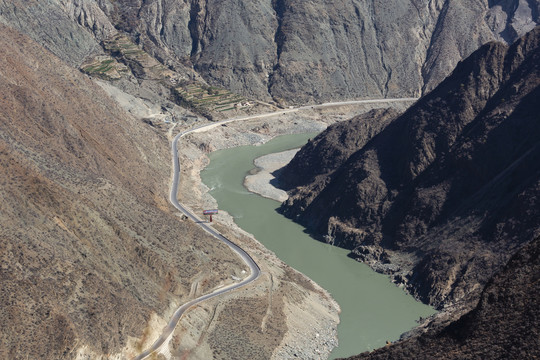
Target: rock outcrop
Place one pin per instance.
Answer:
(448, 190)
(287, 50)
(49, 25)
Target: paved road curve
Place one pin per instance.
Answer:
(255, 270)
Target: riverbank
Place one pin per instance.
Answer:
(264, 181)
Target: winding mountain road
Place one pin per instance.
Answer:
(173, 198)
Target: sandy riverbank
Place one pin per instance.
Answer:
(263, 181)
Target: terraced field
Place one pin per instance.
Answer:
(139, 60)
(105, 67)
(125, 58)
(210, 98)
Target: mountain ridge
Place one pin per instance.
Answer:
(287, 51)
(88, 244)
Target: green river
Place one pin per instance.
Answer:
(373, 309)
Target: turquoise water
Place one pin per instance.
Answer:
(373, 309)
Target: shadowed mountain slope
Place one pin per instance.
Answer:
(446, 192)
(504, 324)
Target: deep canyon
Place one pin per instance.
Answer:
(441, 196)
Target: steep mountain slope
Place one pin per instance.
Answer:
(89, 245)
(49, 25)
(447, 191)
(291, 51)
(321, 156)
(504, 324)
(94, 260)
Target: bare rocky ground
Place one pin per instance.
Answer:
(93, 258)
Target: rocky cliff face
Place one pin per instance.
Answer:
(452, 183)
(292, 51)
(504, 324)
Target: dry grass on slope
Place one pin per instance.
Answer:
(89, 246)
